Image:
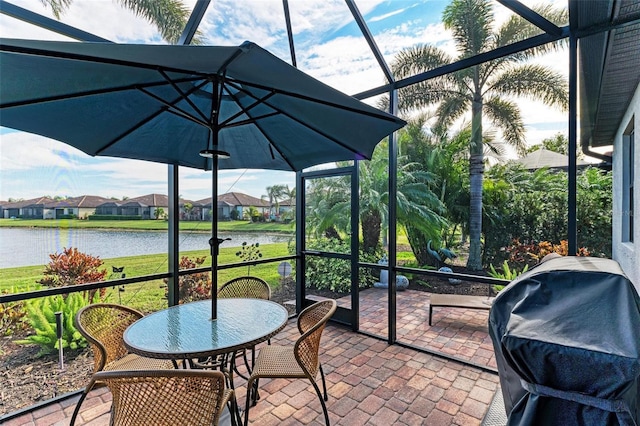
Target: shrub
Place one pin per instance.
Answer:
(67, 216)
(532, 206)
(41, 316)
(192, 287)
(73, 267)
(12, 316)
(530, 253)
(113, 217)
(335, 274)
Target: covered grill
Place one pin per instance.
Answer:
(567, 341)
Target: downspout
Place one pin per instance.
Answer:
(585, 145)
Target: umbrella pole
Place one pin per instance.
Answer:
(214, 236)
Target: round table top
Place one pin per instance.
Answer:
(187, 331)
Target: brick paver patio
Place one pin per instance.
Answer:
(455, 331)
(368, 381)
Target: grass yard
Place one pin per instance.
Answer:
(149, 296)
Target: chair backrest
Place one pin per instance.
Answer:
(103, 325)
(165, 397)
(246, 287)
(311, 323)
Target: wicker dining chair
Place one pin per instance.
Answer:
(103, 325)
(300, 361)
(168, 397)
(247, 287)
(241, 287)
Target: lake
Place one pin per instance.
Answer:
(32, 246)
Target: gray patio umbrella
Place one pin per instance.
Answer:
(184, 105)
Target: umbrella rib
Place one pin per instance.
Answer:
(89, 93)
(96, 59)
(165, 108)
(307, 125)
(184, 95)
(171, 108)
(227, 123)
(381, 115)
(245, 110)
(131, 130)
(272, 145)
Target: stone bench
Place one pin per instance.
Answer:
(458, 301)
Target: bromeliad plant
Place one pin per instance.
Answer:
(41, 316)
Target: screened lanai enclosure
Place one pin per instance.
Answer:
(414, 227)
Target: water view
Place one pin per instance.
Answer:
(25, 247)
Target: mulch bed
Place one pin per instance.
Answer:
(28, 379)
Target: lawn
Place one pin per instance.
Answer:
(149, 296)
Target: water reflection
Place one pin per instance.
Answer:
(24, 247)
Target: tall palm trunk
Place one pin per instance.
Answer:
(476, 171)
(371, 226)
(418, 242)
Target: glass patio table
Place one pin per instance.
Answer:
(187, 331)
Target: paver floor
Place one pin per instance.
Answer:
(459, 332)
(368, 381)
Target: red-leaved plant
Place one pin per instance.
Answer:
(193, 286)
(73, 267)
(530, 253)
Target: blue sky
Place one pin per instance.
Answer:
(328, 47)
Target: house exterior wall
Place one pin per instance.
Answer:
(627, 254)
(85, 212)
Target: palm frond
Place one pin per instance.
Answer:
(506, 115)
(534, 81)
(418, 59)
(169, 16)
(517, 29)
(57, 6)
(450, 109)
(471, 22)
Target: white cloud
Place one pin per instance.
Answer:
(104, 18)
(25, 151)
(324, 48)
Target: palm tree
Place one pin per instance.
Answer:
(169, 16)
(418, 206)
(274, 194)
(485, 89)
(328, 208)
(446, 159)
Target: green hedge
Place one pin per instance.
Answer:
(113, 217)
(66, 216)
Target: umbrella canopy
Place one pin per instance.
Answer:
(167, 103)
(184, 105)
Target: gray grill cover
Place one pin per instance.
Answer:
(567, 342)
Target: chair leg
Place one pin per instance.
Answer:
(324, 385)
(234, 414)
(324, 406)
(247, 404)
(84, 394)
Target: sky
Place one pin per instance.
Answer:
(329, 47)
